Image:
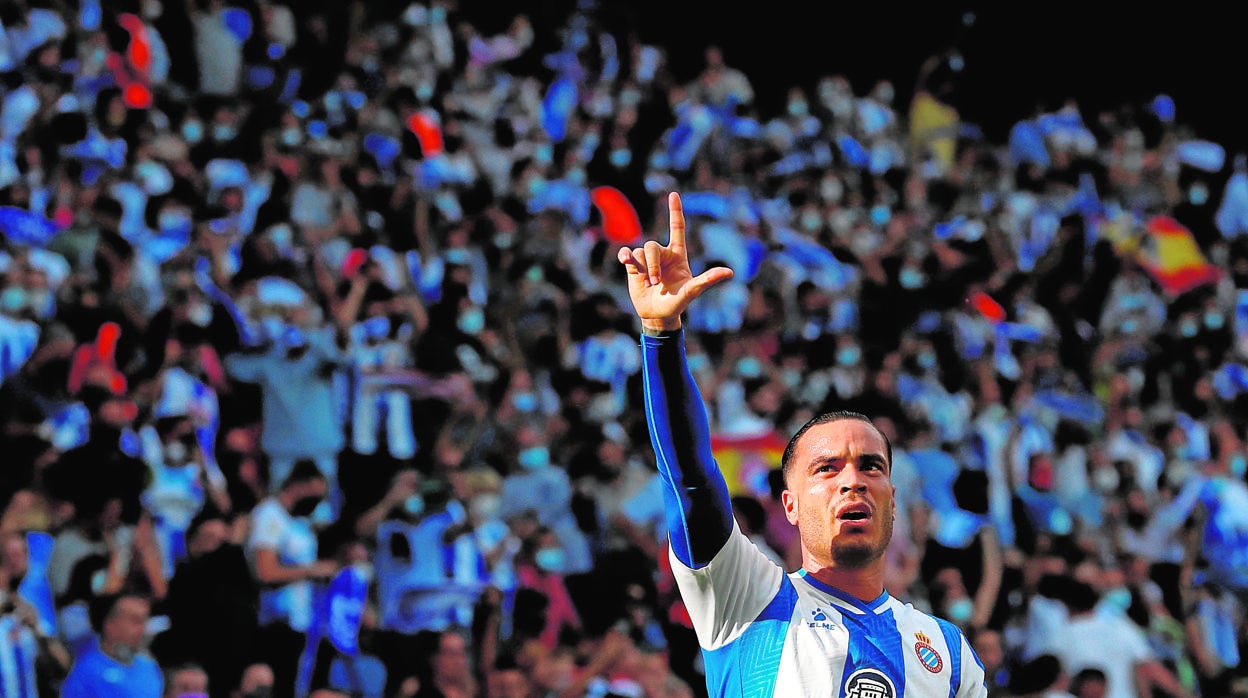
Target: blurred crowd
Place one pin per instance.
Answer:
(320, 377)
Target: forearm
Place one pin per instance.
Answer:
(696, 499)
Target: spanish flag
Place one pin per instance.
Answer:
(746, 461)
(1169, 253)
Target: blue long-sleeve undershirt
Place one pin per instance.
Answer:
(695, 497)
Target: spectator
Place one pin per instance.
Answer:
(294, 374)
(117, 666)
(186, 681)
(1123, 654)
(212, 606)
(283, 553)
(255, 682)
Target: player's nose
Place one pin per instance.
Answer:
(852, 479)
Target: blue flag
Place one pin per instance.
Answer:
(23, 227)
(557, 107)
(337, 611)
(35, 588)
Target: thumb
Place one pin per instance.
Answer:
(700, 283)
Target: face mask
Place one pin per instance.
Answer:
(576, 177)
(1188, 328)
(304, 506)
(550, 559)
(831, 190)
(620, 157)
(1214, 319)
(926, 360)
(200, 314)
(525, 402)
(910, 278)
(223, 132)
(1119, 598)
(175, 453)
(630, 97)
(749, 367)
(543, 154)
(534, 458)
(960, 610)
(798, 108)
(1198, 195)
(485, 506)
(259, 692)
(536, 186)
(471, 321)
(365, 570)
(193, 132)
(1105, 479)
(603, 408)
(13, 300)
(414, 505)
(881, 214)
(1238, 466)
(811, 221)
(1136, 520)
(848, 355)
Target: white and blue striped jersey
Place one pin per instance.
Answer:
(767, 633)
(764, 632)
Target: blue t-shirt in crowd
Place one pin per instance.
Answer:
(97, 675)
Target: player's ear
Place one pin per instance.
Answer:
(790, 506)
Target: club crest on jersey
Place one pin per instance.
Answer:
(869, 683)
(819, 619)
(927, 654)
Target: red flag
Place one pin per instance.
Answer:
(620, 222)
(987, 307)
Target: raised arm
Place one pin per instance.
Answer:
(661, 286)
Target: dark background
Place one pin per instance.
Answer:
(1017, 55)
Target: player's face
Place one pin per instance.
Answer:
(840, 495)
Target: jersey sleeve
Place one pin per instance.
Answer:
(696, 502)
(727, 594)
(266, 529)
(973, 683)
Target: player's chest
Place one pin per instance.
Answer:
(869, 656)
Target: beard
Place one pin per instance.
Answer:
(856, 554)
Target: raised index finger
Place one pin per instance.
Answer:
(675, 221)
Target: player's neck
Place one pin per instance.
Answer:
(863, 583)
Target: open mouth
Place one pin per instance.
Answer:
(854, 512)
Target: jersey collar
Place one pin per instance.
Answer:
(872, 606)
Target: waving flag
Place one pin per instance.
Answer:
(620, 222)
(35, 588)
(557, 107)
(338, 609)
(23, 227)
(1170, 255)
(746, 461)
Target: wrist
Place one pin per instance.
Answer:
(659, 328)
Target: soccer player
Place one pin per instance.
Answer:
(830, 628)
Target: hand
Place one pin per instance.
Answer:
(322, 569)
(660, 281)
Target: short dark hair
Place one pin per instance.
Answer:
(825, 418)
